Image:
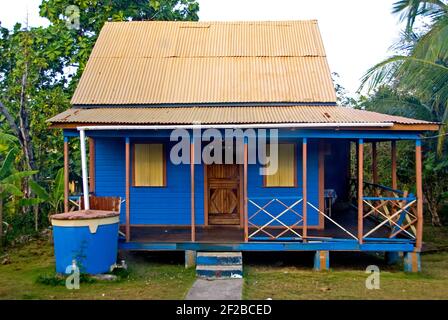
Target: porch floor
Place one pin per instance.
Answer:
(235, 234)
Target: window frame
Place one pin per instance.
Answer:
(295, 184)
(164, 165)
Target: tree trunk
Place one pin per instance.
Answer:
(433, 210)
(24, 124)
(36, 217)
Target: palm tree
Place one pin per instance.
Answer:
(421, 68)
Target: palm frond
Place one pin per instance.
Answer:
(18, 176)
(8, 163)
(409, 10)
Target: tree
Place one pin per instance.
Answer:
(421, 66)
(40, 67)
(414, 83)
(10, 180)
(342, 97)
(94, 13)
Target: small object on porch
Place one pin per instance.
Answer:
(321, 260)
(190, 259)
(412, 262)
(330, 197)
(219, 265)
(88, 236)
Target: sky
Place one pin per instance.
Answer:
(356, 33)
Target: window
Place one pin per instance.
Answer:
(286, 175)
(149, 165)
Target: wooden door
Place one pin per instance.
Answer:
(223, 194)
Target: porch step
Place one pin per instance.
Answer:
(218, 265)
(219, 258)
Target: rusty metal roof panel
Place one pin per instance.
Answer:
(206, 62)
(226, 115)
(164, 39)
(204, 80)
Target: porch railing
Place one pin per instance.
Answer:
(391, 208)
(271, 213)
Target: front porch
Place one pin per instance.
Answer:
(298, 218)
(231, 238)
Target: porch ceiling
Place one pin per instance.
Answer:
(331, 115)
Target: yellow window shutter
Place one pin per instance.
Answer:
(286, 172)
(149, 165)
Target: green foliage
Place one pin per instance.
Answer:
(414, 83)
(94, 13)
(55, 280)
(9, 178)
(39, 70)
(54, 198)
(420, 69)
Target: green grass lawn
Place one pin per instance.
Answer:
(289, 276)
(274, 275)
(147, 279)
(347, 281)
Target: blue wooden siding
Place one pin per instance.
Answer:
(337, 167)
(170, 205)
(262, 195)
(110, 169)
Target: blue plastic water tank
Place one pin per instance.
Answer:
(88, 237)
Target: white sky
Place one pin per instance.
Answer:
(356, 33)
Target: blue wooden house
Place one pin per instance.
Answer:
(146, 84)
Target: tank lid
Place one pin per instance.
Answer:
(85, 214)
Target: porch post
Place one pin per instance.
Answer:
(321, 178)
(374, 163)
(360, 189)
(92, 164)
(246, 214)
(66, 174)
(419, 191)
(193, 229)
(357, 158)
(393, 150)
(128, 193)
(85, 182)
(304, 188)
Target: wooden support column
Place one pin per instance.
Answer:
(321, 178)
(128, 190)
(304, 188)
(66, 175)
(374, 163)
(360, 189)
(419, 191)
(393, 150)
(246, 214)
(355, 172)
(92, 165)
(193, 228)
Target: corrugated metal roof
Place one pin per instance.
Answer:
(206, 62)
(164, 39)
(226, 115)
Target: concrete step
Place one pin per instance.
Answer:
(219, 272)
(219, 258)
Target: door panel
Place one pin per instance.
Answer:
(223, 191)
